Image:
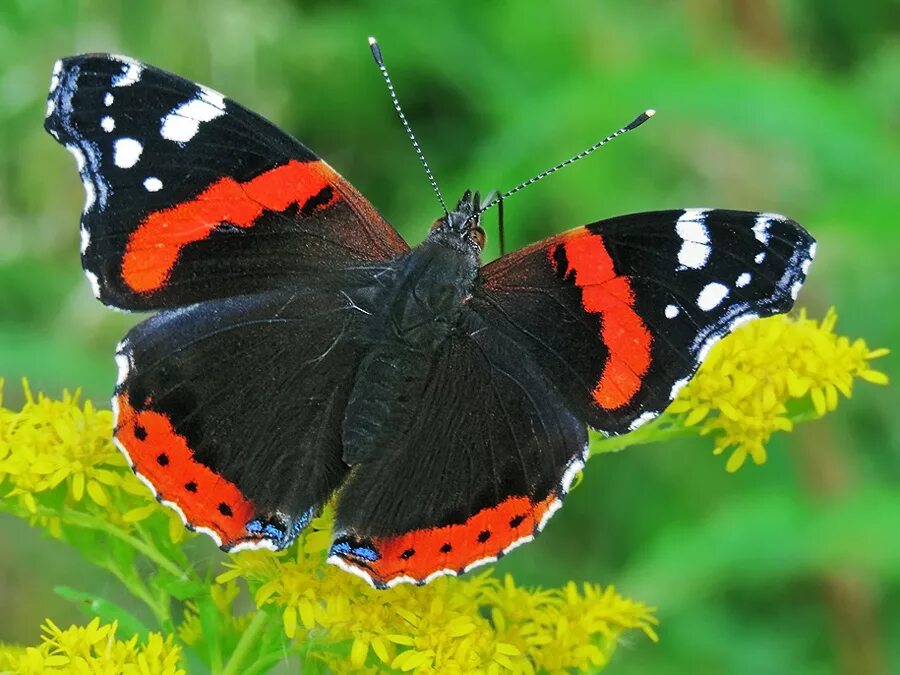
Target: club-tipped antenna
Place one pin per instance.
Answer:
(634, 124)
(379, 60)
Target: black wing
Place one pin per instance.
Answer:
(190, 196)
(621, 313)
(491, 454)
(231, 409)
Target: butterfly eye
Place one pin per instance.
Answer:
(478, 235)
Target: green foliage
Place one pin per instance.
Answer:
(787, 107)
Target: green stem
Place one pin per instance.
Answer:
(661, 429)
(91, 523)
(139, 590)
(248, 640)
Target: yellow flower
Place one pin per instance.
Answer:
(51, 442)
(473, 624)
(58, 464)
(93, 649)
(742, 391)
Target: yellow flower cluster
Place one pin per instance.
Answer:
(55, 453)
(59, 468)
(743, 390)
(476, 624)
(93, 649)
(57, 441)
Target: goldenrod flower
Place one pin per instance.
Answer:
(55, 441)
(93, 649)
(741, 392)
(473, 624)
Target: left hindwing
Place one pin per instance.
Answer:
(622, 312)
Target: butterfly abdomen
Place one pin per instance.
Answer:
(418, 311)
(382, 403)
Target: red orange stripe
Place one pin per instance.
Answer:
(153, 248)
(605, 293)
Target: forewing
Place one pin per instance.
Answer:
(622, 312)
(491, 453)
(231, 409)
(190, 196)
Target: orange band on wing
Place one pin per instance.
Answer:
(421, 553)
(154, 247)
(163, 458)
(605, 293)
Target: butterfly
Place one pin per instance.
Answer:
(300, 351)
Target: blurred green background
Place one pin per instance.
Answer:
(775, 106)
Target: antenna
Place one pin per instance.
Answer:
(634, 124)
(379, 60)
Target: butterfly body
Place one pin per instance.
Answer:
(419, 304)
(299, 351)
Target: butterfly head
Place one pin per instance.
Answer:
(461, 228)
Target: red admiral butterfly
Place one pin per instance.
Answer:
(300, 349)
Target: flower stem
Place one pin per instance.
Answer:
(90, 523)
(248, 640)
(661, 429)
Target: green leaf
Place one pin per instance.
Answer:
(182, 589)
(108, 611)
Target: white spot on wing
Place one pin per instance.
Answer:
(761, 226)
(54, 78)
(51, 106)
(126, 152)
(254, 545)
(517, 543)
(642, 420)
(85, 239)
(804, 266)
(184, 121)
(90, 195)
(152, 184)
(108, 123)
(711, 295)
(691, 227)
(742, 319)
(131, 72)
(672, 311)
(555, 506)
(338, 561)
(94, 282)
(742, 280)
(478, 563)
(759, 257)
(568, 476)
(707, 346)
(108, 99)
(123, 366)
(812, 250)
(77, 154)
(795, 289)
(677, 387)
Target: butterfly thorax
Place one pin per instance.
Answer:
(418, 310)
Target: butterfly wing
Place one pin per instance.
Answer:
(190, 196)
(231, 409)
(228, 402)
(491, 453)
(622, 312)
